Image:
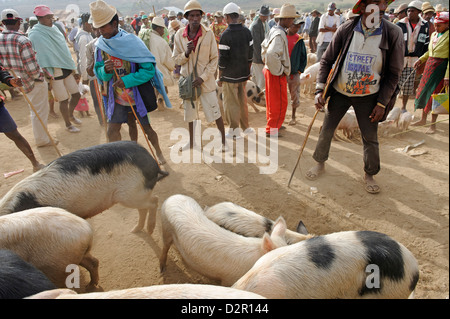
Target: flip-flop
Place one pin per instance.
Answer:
(313, 176)
(372, 189)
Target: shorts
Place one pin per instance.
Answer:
(406, 81)
(62, 88)
(210, 107)
(120, 115)
(7, 123)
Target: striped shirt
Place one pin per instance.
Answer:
(17, 55)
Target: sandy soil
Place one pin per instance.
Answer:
(413, 206)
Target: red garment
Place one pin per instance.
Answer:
(276, 100)
(197, 36)
(82, 105)
(292, 40)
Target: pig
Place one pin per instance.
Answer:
(394, 115)
(88, 181)
(308, 78)
(208, 248)
(20, 279)
(404, 121)
(311, 58)
(254, 96)
(391, 122)
(250, 224)
(172, 291)
(50, 239)
(348, 125)
(350, 264)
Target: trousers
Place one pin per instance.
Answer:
(276, 100)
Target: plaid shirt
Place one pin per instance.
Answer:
(17, 55)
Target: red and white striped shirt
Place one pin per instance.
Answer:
(17, 55)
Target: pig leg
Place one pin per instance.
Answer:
(91, 264)
(250, 101)
(141, 222)
(151, 220)
(167, 242)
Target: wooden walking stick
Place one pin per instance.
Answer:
(314, 118)
(39, 118)
(100, 102)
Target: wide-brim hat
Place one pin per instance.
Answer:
(427, 7)
(401, 8)
(416, 4)
(158, 21)
(358, 6)
(101, 13)
(264, 11)
(192, 5)
(287, 11)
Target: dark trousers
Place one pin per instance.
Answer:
(337, 107)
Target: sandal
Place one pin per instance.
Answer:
(371, 188)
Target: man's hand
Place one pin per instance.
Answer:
(190, 48)
(319, 102)
(219, 83)
(119, 83)
(377, 114)
(109, 66)
(16, 82)
(417, 64)
(197, 82)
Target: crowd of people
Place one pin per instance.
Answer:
(129, 64)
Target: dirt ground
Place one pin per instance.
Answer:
(412, 207)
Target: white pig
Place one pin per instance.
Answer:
(172, 291)
(90, 180)
(208, 248)
(308, 78)
(248, 223)
(352, 264)
(348, 125)
(50, 239)
(405, 120)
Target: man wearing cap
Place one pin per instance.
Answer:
(428, 13)
(297, 54)
(163, 55)
(329, 22)
(235, 59)
(128, 69)
(360, 68)
(259, 29)
(183, 21)
(196, 43)
(314, 30)
(277, 66)
(17, 54)
(125, 26)
(53, 55)
(273, 21)
(416, 35)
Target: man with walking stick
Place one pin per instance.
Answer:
(18, 56)
(368, 52)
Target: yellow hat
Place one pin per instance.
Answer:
(287, 11)
(192, 6)
(101, 13)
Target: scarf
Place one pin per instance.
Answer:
(51, 48)
(128, 47)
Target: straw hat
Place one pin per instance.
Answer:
(102, 13)
(427, 7)
(218, 14)
(174, 24)
(401, 8)
(191, 6)
(439, 8)
(416, 4)
(287, 11)
(158, 21)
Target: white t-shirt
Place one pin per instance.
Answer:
(360, 73)
(328, 21)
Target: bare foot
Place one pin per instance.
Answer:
(161, 159)
(292, 122)
(419, 123)
(313, 173)
(431, 130)
(371, 185)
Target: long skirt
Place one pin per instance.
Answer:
(433, 74)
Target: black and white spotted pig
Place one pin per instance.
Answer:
(90, 180)
(352, 264)
(254, 96)
(20, 279)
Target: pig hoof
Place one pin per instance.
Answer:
(136, 229)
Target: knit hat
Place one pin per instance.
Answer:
(102, 13)
(287, 11)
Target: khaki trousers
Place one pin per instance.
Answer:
(235, 104)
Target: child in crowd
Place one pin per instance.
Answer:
(83, 104)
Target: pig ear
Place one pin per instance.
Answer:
(279, 228)
(301, 229)
(267, 243)
(308, 75)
